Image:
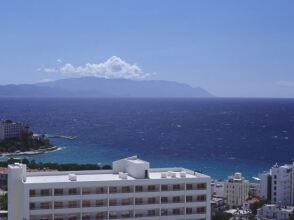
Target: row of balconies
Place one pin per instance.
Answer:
(122, 189)
(116, 202)
(124, 214)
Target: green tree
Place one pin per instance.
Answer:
(3, 202)
(221, 216)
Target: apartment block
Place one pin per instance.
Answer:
(236, 190)
(131, 190)
(277, 185)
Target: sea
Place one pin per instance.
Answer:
(216, 136)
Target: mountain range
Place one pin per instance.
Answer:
(101, 87)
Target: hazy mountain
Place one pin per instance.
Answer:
(100, 87)
(26, 90)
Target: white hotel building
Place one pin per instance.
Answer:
(131, 190)
(10, 129)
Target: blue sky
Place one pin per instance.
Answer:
(231, 48)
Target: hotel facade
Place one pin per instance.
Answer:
(131, 190)
(10, 129)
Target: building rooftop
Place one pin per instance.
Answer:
(130, 168)
(89, 176)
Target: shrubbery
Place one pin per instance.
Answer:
(32, 164)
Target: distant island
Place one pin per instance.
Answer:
(16, 139)
(105, 88)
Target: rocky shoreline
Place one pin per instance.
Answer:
(32, 152)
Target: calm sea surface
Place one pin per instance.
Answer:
(216, 136)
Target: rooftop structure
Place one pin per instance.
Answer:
(131, 190)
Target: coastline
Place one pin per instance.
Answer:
(34, 152)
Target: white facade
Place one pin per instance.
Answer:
(277, 185)
(271, 211)
(236, 190)
(218, 189)
(265, 186)
(132, 190)
(9, 129)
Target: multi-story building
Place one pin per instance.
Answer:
(277, 212)
(236, 190)
(277, 185)
(10, 129)
(131, 190)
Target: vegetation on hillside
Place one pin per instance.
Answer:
(32, 164)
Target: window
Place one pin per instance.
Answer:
(189, 211)
(44, 205)
(189, 186)
(176, 187)
(100, 190)
(164, 187)
(151, 188)
(86, 203)
(201, 198)
(189, 198)
(176, 211)
(112, 202)
(201, 210)
(151, 200)
(73, 191)
(99, 203)
(58, 205)
(86, 191)
(32, 206)
(176, 199)
(86, 217)
(72, 218)
(45, 192)
(138, 201)
(58, 192)
(126, 202)
(164, 200)
(99, 215)
(112, 189)
(32, 193)
(126, 189)
(139, 188)
(73, 204)
(164, 212)
(201, 186)
(151, 212)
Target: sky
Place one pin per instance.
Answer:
(231, 48)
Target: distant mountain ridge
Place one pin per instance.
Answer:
(100, 87)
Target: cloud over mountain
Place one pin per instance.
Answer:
(113, 68)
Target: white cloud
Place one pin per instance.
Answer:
(285, 83)
(114, 67)
(59, 61)
(50, 70)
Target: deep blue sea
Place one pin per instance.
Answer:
(216, 136)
